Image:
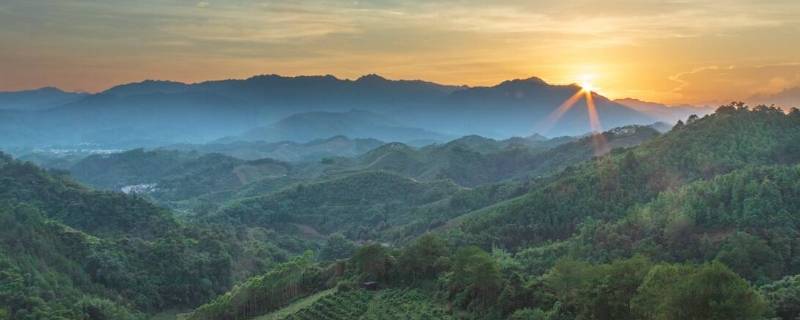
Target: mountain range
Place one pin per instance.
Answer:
(268, 107)
(38, 99)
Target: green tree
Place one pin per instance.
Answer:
(708, 292)
(423, 259)
(337, 247)
(784, 297)
(475, 279)
(372, 262)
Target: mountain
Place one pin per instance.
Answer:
(607, 188)
(156, 113)
(359, 205)
(632, 230)
(473, 160)
(703, 213)
(525, 106)
(168, 176)
(315, 150)
(304, 127)
(786, 98)
(39, 99)
(70, 252)
(669, 114)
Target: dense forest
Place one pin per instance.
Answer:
(700, 222)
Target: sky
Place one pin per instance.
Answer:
(683, 51)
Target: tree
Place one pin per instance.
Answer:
(337, 247)
(423, 259)
(750, 257)
(784, 297)
(708, 292)
(476, 279)
(372, 262)
(600, 291)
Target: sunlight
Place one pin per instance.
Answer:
(598, 139)
(585, 81)
(587, 87)
(554, 116)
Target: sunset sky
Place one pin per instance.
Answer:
(668, 51)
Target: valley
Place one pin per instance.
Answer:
(472, 228)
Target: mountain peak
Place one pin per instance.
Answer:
(529, 81)
(146, 87)
(371, 78)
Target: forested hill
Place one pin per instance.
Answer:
(99, 213)
(170, 175)
(360, 205)
(701, 222)
(473, 160)
(698, 223)
(67, 252)
(607, 187)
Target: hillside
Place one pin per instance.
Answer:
(359, 205)
(697, 223)
(473, 160)
(169, 176)
(70, 252)
(607, 187)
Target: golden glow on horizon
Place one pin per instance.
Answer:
(671, 52)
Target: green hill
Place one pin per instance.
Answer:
(471, 161)
(359, 205)
(697, 223)
(606, 188)
(68, 252)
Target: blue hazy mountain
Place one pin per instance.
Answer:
(308, 126)
(153, 113)
(37, 99)
(665, 112)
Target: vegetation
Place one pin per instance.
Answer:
(67, 251)
(698, 223)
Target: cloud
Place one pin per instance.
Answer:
(787, 98)
(638, 46)
(714, 84)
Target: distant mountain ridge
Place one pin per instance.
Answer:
(305, 127)
(336, 146)
(786, 98)
(37, 99)
(154, 113)
(664, 112)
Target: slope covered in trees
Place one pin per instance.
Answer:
(607, 187)
(472, 161)
(359, 205)
(67, 252)
(699, 223)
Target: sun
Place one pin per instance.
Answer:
(585, 81)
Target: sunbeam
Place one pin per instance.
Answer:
(554, 116)
(598, 139)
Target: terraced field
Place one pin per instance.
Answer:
(390, 304)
